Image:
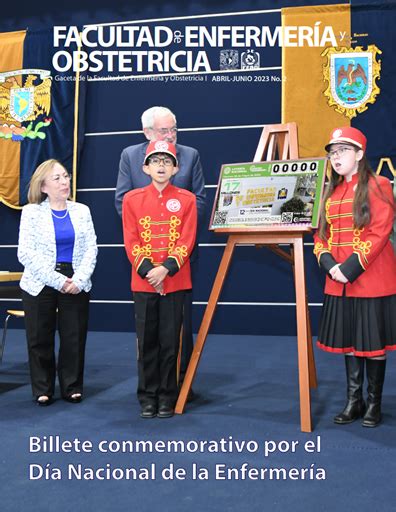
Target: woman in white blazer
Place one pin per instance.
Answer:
(57, 247)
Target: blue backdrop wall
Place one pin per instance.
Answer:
(223, 120)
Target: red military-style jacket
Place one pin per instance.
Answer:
(160, 229)
(366, 255)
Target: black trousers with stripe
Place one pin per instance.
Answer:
(158, 325)
(40, 321)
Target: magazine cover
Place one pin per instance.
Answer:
(128, 141)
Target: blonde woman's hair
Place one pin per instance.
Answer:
(35, 194)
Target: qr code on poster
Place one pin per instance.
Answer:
(287, 217)
(220, 218)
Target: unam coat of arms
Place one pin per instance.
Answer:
(22, 102)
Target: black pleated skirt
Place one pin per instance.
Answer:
(363, 326)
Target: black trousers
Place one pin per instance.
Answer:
(40, 322)
(158, 324)
(187, 341)
(187, 338)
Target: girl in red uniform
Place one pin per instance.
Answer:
(352, 245)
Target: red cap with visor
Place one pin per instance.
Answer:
(160, 146)
(349, 135)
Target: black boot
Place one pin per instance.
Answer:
(375, 376)
(355, 406)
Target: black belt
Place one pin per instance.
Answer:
(63, 266)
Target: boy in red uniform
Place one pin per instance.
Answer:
(159, 223)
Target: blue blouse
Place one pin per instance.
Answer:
(64, 236)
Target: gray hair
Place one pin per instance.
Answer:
(150, 114)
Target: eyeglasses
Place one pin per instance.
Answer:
(165, 131)
(156, 160)
(338, 152)
(58, 177)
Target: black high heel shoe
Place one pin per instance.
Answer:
(40, 400)
(74, 398)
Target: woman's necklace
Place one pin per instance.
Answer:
(60, 216)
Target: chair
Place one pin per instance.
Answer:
(17, 313)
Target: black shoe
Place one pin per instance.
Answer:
(192, 396)
(373, 416)
(73, 399)
(375, 369)
(352, 412)
(44, 403)
(165, 411)
(148, 411)
(355, 406)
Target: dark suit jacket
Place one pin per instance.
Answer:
(189, 177)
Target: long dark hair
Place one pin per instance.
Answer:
(361, 205)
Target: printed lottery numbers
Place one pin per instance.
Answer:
(292, 167)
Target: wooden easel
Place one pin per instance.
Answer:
(277, 142)
(281, 139)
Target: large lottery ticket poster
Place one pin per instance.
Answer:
(276, 193)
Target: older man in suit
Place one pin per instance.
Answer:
(159, 123)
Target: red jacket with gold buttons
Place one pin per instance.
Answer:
(160, 229)
(366, 255)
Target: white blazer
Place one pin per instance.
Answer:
(37, 247)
